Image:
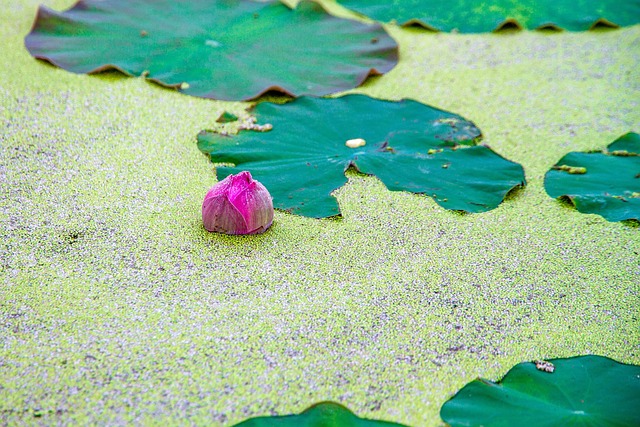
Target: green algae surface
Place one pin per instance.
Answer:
(117, 307)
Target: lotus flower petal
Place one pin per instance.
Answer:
(237, 205)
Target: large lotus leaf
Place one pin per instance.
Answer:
(605, 183)
(324, 414)
(222, 49)
(472, 16)
(581, 391)
(408, 145)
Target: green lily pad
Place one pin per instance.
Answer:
(227, 117)
(323, 414)
(471, 16)
(606, 183)
(303, 148)
(221, 49)
(578, 391)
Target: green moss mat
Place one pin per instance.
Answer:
(116, 307)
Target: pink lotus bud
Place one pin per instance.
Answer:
(237, 205)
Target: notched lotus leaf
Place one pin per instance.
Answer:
(221, 49)
(301, 151)
(606, 183)
(471, 16)
(323, 414)
(578, 391)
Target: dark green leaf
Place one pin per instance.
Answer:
(409, 146)
(227, 117)
(605, 183)
(324, 414)
(471, 16)
(581, 391)
(222, 49)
